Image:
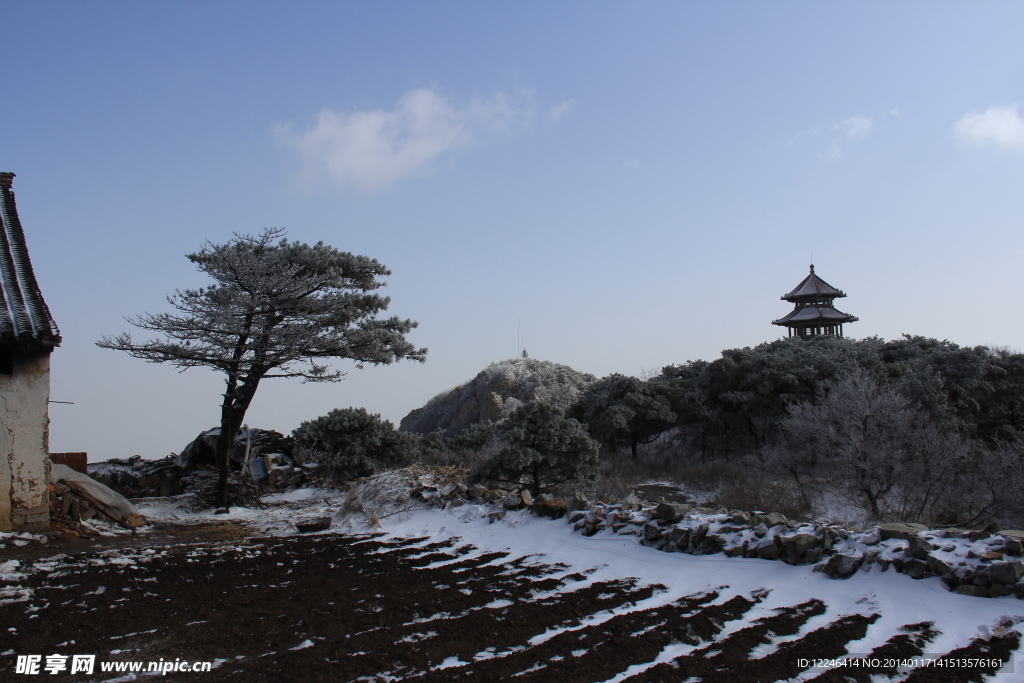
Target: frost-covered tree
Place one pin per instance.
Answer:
(889, 453)
(354, 443)
(539, 448)
(625, 411)
(276, 309)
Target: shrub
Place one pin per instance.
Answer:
(539, 448)
(353, 443)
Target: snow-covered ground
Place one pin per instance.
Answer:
(898, 599)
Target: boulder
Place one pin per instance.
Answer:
(841, 566)
(997, 590)
(679, 537)
(915, 568)
(495, 516)
(714, 543)
(311, 525)
(512, 502)
(769, 551)
(900, 530)
(919, 547)
(774, 519)
(651, 531)
(740, 517)
(670, 512)
(1013, 546)
(798, 544)
(972, 590)
(478, 491)
(526, 497)
(111, 503)
(1006, 573)
(575, 502)
(550, 508)
(938, 566)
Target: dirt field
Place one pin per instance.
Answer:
(346, 608)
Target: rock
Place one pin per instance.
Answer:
(938, 566)
(576, 515)
(873, 538)
(993, 528)
(799, 544)
(495, 495)
(915, 569)
(774, 519)
(1013, 546)
(736, 551)
(769, 551)
(221, 511)
(972, 590)
(714, 543)
(543, 498)
(841, 566)
(550, 508)
(978, 535)
(670, 512)
(679, 537)
(992, 556)
(1006, 573)
(813, 555)
(495, 516)
(741, 517)
(478, 491)
(526, 497)
(576, 502)
(900, 530)
(651, 531)
(311, 525)
(919, 547)
(697, 535)
(997, 590)
(512, 502)
(108, 501)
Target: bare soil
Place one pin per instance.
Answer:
(378, 609)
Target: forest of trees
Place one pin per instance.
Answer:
(912, 429)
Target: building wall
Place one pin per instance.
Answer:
(24, 437)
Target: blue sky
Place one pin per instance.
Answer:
(623, 185)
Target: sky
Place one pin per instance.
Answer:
(616, 186)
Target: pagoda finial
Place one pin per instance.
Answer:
(812, 267)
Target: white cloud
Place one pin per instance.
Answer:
(998, 125)
(370, 149)
(855, 127)
(560, 111)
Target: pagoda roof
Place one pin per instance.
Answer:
(24, 317)
(805, 315)
(813, 287)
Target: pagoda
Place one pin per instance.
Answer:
(813, 314)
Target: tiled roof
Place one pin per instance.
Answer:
(803, 315)
(813, 287)
(24, 317)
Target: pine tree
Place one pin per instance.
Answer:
(275, 310)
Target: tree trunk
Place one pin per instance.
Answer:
(232, 413)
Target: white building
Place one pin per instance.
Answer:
(27, 336)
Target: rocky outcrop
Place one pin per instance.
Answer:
(498, 390)
(976, 563)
